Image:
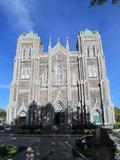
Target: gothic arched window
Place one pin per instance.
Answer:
(74, 78)
(93, 71)
(29, 53)
(90, 70)
(24, 50)
(88, 51)
(25, 73)
(59, 74)
(44, 79)
(94, 51)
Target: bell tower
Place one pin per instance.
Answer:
(25, 83)
(93, 84)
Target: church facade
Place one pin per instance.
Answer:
(75, 79)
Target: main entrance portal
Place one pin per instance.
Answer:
(22, 118)
(59, 118)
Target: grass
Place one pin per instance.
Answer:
(9, 151)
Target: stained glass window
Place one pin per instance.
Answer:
(24, 50)
(59, 74)
(29, 53)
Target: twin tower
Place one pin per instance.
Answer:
(61, 77)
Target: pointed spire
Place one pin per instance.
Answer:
(49, 46)
(67, 43)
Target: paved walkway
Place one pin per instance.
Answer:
(39, 147)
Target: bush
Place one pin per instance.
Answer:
(29, 129)
(117, 125)
(84, 128)
(9, 152)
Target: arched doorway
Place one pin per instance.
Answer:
(59, 118)
(59, 114)
(96, 117)
(22, 117)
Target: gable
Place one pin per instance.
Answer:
(58, 48)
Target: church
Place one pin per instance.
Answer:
(72, 80)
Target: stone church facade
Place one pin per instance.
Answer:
(64, 78)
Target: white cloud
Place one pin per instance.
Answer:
(19, 13)
(4, 86)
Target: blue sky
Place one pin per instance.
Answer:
(58, 18)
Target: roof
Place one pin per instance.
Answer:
(30, 35)
(88, 32)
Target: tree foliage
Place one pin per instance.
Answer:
(101, 2)
(2, 113)
(117, 116)
(117, 113)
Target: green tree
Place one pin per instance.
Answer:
(2, 113)
(101, 2)
(2, 116)
(117, 116)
